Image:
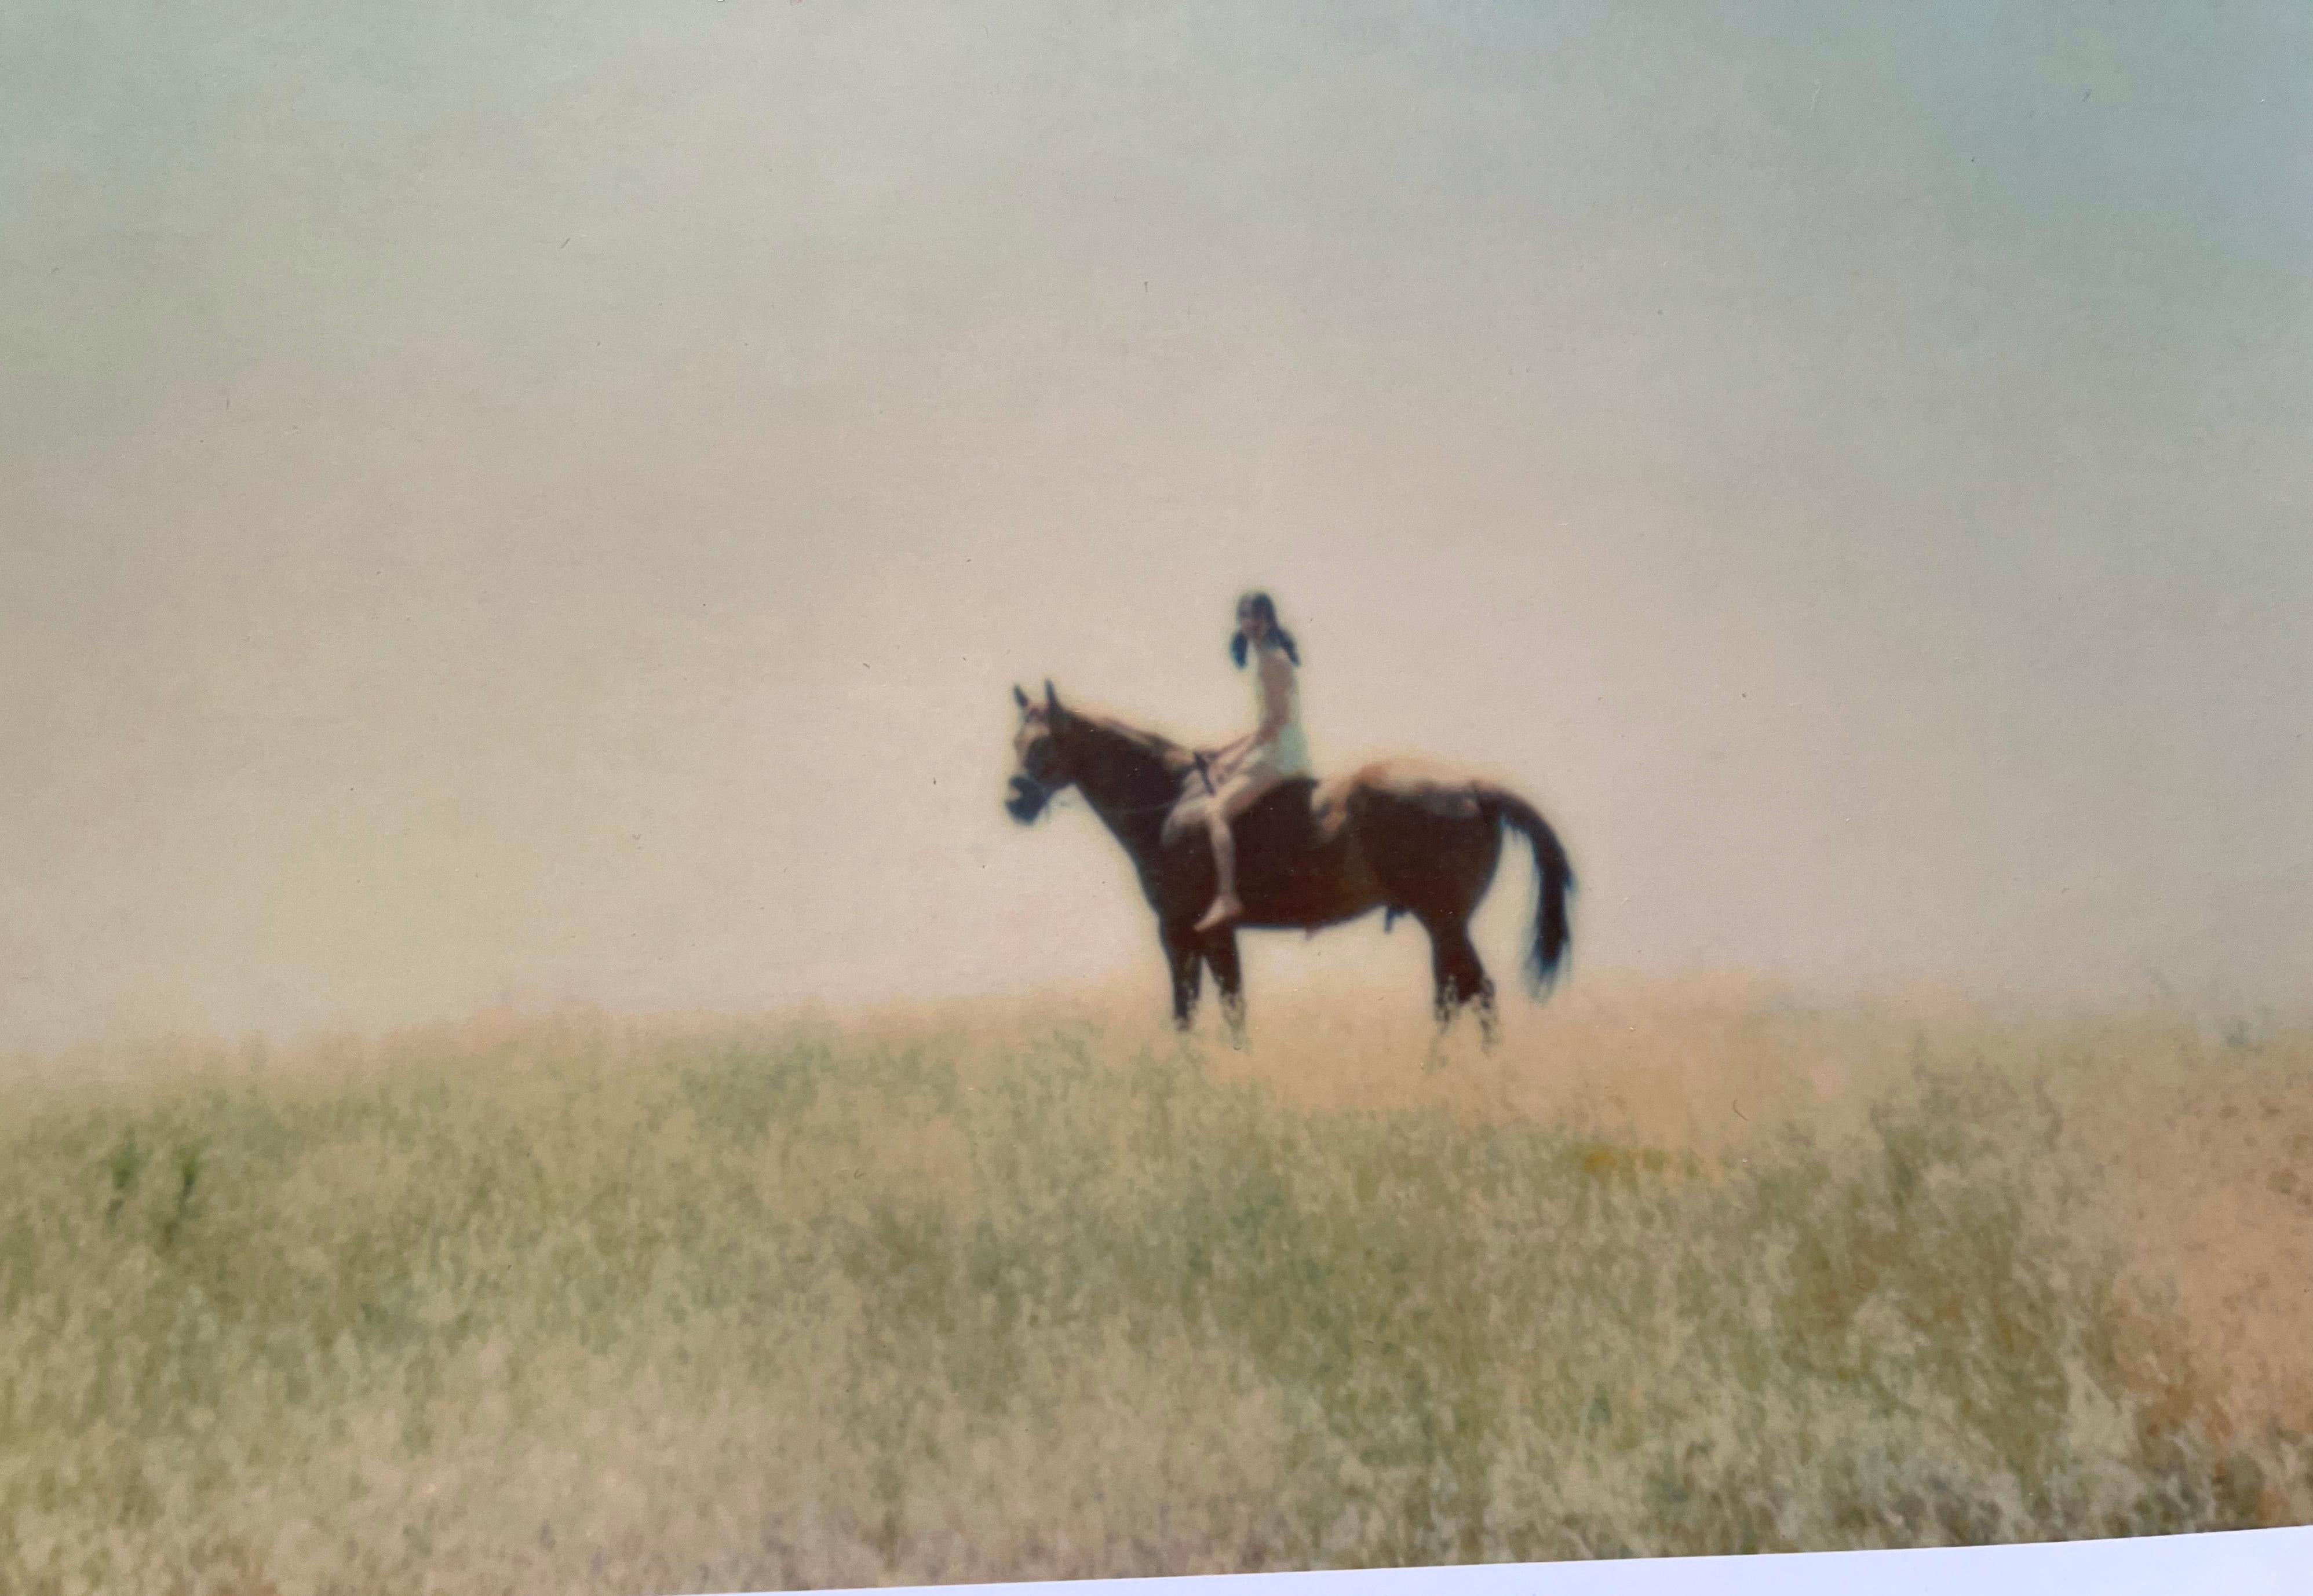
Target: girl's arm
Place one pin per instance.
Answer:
(1220, 762)
(1276, 693)
(1278, 682)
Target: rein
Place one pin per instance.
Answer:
(1054, 796)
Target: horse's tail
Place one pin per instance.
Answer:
(1554, 877)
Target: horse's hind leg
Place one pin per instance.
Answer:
(1461, 978)
(1472, 985)
(1220, 953)
(1490, 1017)
(1442, 1000)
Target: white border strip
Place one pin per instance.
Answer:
(2241, 1562)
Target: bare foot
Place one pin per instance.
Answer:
(1224, 909)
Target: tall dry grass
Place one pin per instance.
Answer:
(997, 1290)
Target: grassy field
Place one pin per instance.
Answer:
(1008, 1291)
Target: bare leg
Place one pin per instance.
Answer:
(1234, 798)
(1226, 907)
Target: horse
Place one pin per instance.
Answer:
(1311, 854)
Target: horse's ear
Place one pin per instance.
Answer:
(1018, 696)
(1052, 698)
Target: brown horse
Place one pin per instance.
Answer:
(1311, 854)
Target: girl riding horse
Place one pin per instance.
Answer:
(1274, 752)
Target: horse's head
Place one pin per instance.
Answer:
(1042, 769)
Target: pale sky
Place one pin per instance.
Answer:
(550, 500)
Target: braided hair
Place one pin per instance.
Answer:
(1263, 606)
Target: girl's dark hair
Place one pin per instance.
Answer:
(1264, 607)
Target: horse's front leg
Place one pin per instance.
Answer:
(1186, 960)
(1220, 953)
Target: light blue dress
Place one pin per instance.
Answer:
(1289, 755)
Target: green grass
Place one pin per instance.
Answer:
(763, 1310)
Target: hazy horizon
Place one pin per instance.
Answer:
(555, 501)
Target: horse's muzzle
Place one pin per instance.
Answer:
(1025, 800)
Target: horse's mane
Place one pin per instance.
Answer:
(1175, 759)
